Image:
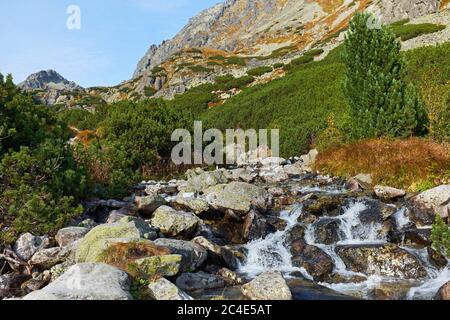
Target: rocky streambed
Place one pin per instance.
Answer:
(272, 229)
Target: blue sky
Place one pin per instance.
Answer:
(114, 35)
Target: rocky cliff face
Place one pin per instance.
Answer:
(48, 80)
(257, 27)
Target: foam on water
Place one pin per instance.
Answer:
(324, 189)
(401, 218)
(429, 288)
(271, 253)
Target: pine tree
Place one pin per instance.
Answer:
(382, 103)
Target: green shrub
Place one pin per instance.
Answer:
(429, 70)
(302, 60)
(134, 137)
(259, 71)
(400, 22)
(236, 60)
(278, 65)
(409, 31)
(440, 236)
(314, 52)
(40, 183)
(83, 119)
(228, 82)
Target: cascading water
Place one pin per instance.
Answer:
(272, 252)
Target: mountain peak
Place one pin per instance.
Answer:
(48, 80)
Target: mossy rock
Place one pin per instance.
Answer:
(93, 244)
(163, 266)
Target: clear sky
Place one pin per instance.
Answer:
(114, 35)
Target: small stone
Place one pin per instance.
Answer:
(47, 258)
(67, 236)
(27, 245)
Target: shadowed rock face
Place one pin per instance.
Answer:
(48, 80)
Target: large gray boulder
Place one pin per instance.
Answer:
(382, 260)
(87, 281)
(267, 286)
(191, 204)
(148, 204)
(238, 197)
(193, 255)
(175, 223)
(436, 200)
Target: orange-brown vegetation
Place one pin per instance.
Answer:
(405, 163)
(328, 5)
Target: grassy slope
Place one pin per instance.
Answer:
(299, 103)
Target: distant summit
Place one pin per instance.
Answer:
(48, 80)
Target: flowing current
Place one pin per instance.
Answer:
(273, 253)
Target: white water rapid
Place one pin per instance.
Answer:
(272, 253)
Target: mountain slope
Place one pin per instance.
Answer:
(248, 27)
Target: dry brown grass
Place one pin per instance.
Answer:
(411, 163)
